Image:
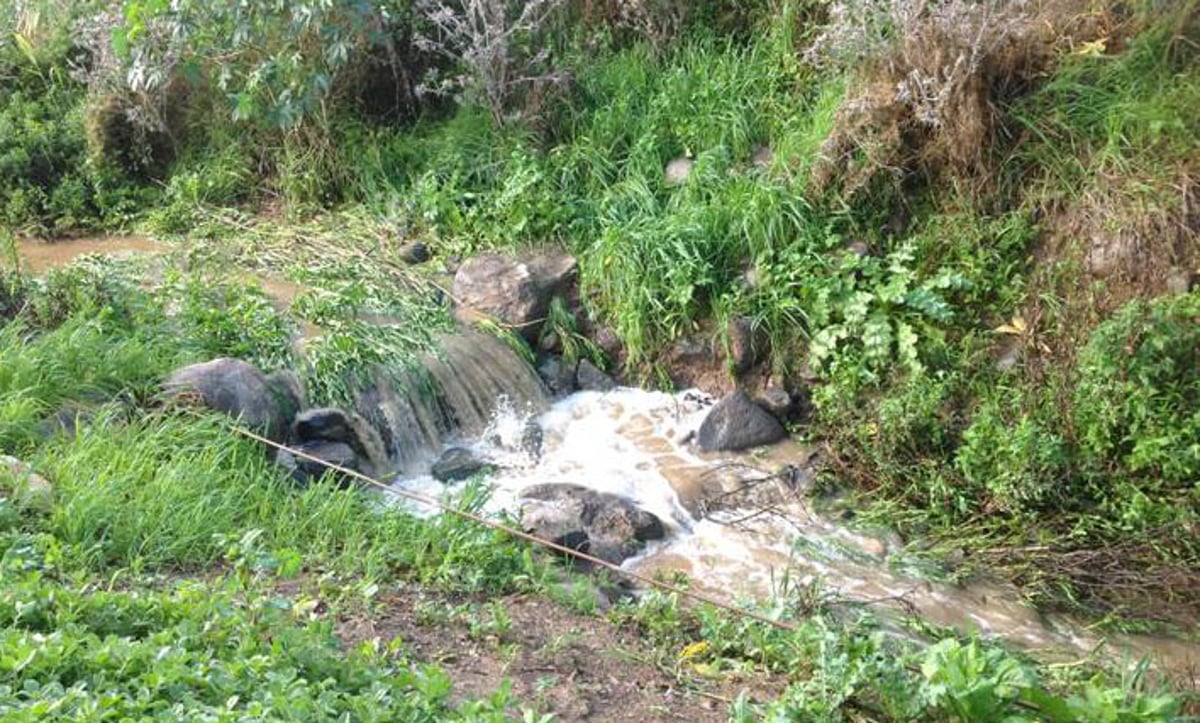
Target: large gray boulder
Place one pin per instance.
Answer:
(263, 402)
(515, 291)
(603, 525)
(736, 423)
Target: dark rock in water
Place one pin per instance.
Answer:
(558, 375)
(265, 403)
(304, 470)
(559, 522)
(591, 379)
(613, 526)
(736, 422)
(532, 438)
(325, 423)
(457, 464)
(413, 253)
(515, 291)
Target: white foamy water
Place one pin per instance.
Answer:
(636, 444)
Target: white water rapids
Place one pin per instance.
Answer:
(635, 444)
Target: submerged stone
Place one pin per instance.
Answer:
(457, 464)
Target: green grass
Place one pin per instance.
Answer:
(152, 584)
(1061, 454)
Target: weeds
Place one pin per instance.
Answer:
(958, 225)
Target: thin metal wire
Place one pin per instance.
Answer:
(517, 533)
(542, 542)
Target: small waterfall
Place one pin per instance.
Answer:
(454, 393)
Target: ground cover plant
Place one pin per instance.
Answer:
(155, 576)
(968, 230)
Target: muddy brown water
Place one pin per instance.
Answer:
(634, 443)
(39, 257)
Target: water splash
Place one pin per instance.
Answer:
(635, 444)
(453, 394)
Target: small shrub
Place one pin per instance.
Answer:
(497, 43)
(1139, 391)
(1021, 463)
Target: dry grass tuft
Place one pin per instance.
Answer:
(934, 78)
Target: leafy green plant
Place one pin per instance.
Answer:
(1138, 391)
(877, 311)
(1021, 463)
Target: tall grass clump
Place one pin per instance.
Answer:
(161, 491)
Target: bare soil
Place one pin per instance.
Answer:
(575, 666)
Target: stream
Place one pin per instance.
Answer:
(734, 526)
(634, 443)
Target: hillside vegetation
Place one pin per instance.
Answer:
(968, 231)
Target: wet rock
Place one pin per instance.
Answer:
(558, 375)
(603, 525)
(786, 406)
(327, 424)
(736, 422)
(590, 379)
(678, 170)
(28, 488)
(265, 403)
(515, 291)
(457, 464)
(775, 400)
(323, 424)
(560, 522)
(413, 253)
(328, 455)
(532, 438)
